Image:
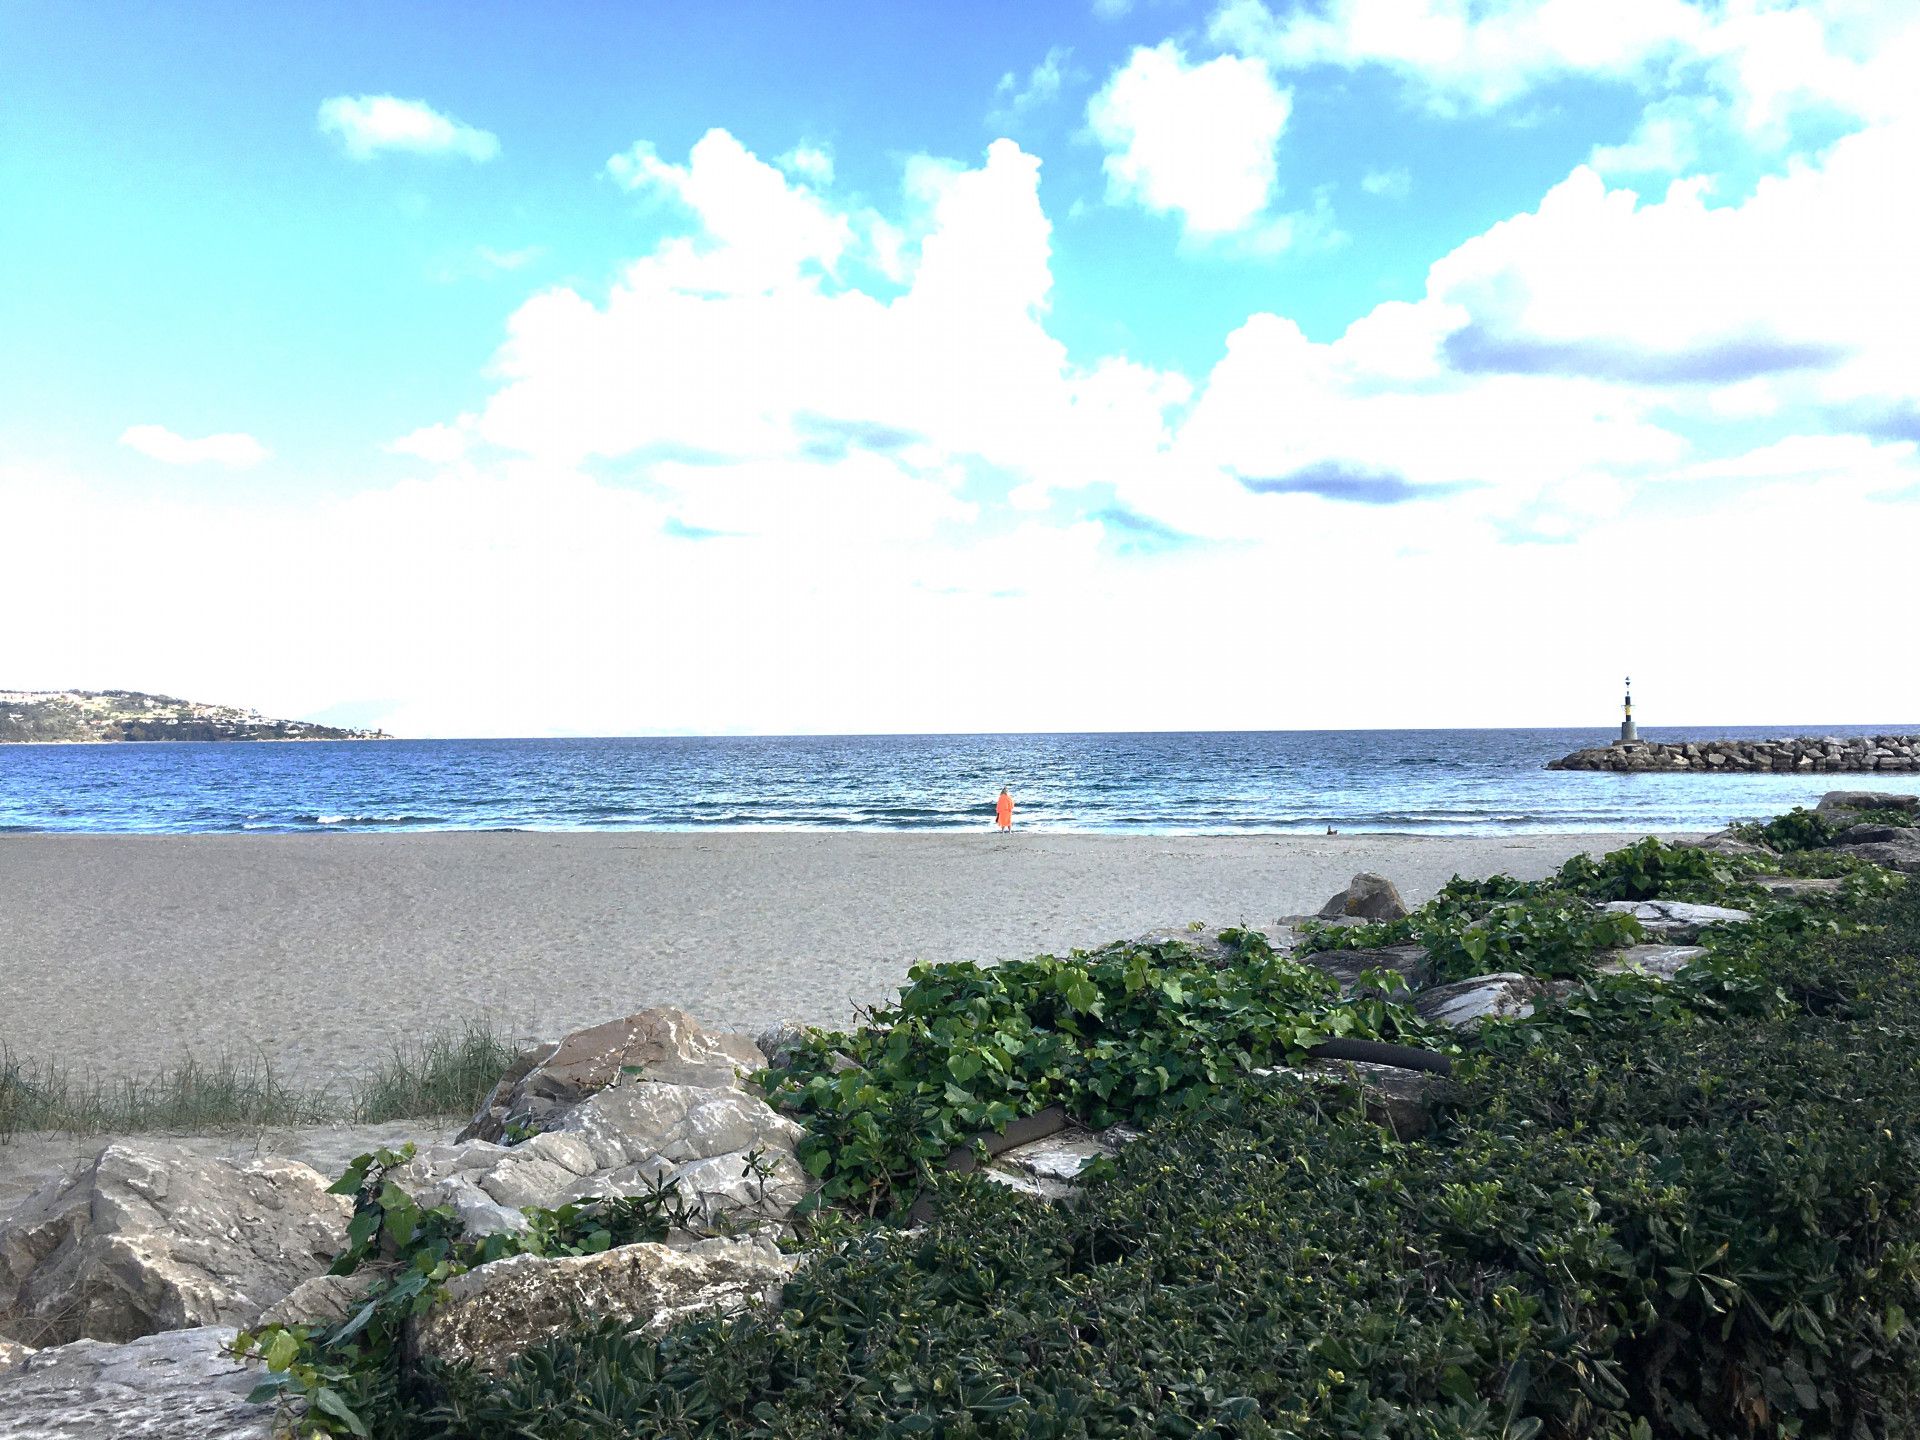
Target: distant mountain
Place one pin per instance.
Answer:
(46, 715)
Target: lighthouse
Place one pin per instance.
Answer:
(1628, 735)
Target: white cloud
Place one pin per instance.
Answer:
(1194, 140)
(436, 444)
(233, 450)
(1459, 54)
(369, 124)
(823, 504)
(812, 163)
(1394, 184)
(1013, 97)
(1724, 80)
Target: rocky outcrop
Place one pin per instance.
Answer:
(1842, 808)
(154, 1237)
(1859, 753)
(661, 1045)
(1402, 1101)
(1466, 1004)
(1410, 962)
(323, 1300)
(180, 1385)
(727, 1155)
(1367, 897)
(1049, 1168)
(491, 1314)
(1650, 962)
(1675, 921)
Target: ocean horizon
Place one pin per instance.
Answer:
(1418, 781)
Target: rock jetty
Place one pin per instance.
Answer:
(1857, 753)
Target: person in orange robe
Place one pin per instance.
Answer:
(1003, 810)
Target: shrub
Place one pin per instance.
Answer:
(1648, 869)
(1129, 1032)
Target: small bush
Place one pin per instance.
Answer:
(1129, 1033)
(1648, 869)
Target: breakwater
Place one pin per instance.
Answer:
(1803, 755)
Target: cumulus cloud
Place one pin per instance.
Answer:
(369, 124)
(234, 451)
(812, 163)
(743, 458)
(1014, 96)
(1195, 140)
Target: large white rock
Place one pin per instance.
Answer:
(154, 1237)
(662, 1044)
(724, 1152)
(1467, 1004)
(491, 1314)
(1651, 962)
(1675, 921)
(180, 1385)
(1399, 1099)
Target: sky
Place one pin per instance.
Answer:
(578, 369)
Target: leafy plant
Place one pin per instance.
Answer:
(1126, 1033)
(338, 1376)
(1648, 869)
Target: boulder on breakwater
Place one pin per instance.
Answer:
(1803, 755)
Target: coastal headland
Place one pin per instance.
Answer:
(124, 953)
(78, 717)
(1832, 754)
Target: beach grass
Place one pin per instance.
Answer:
(442, 1073)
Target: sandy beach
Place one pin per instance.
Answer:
(125, 952)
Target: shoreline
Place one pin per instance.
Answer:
(125, 953)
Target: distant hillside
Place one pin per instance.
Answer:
(128, 715)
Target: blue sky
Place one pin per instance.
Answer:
(1065, 343)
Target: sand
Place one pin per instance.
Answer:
(124, 953)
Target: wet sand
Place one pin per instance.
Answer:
(123, 953)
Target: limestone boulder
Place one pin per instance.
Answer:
(178, 1385)
(1789, 887)
(1725, 842)
(1901, 853)
(1675, 921)
(1402, 1101)
(1465, 1005)
(493, 1313)
(323, 1300)
(153, 1237)
(1410, 962)
(1049, 1168)
(1651, 962)
(1368, 897)
(661, 1045)
(1841, 808)
(726, 1154)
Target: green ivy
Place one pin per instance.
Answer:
(333, 1377)
(1125, 1033)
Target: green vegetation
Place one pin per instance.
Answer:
(1679, 1210)
(340, 1373)
(1126, 1033)
(443, 1074)
(1801, 830)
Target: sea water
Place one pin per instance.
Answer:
(1431, 781)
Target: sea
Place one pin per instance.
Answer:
(1449, 782)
